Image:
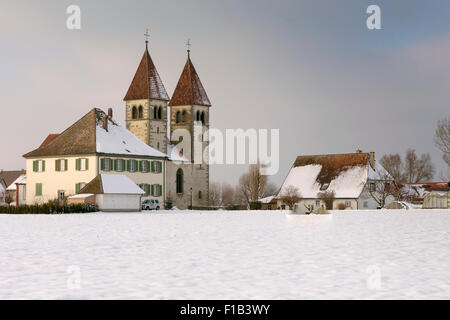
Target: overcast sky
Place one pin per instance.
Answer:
(310, 68)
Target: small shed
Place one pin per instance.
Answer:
(436, 200)
(85, 198)
(114, 193)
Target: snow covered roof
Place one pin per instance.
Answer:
(7, 177)
(344, 174)
(87, 136)
(81, 196)
(2, 190)
(146, 83)
(189, 89)
(22, 179)
(267, 199)
(111, 184)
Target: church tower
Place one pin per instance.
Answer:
(146, 105)
(189, 110)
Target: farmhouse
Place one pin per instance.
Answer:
(353, 179)
(64, 163)
(6, 180)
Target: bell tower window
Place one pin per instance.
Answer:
(179, 181)
(177, 117)
(134, 113)
(141, 112)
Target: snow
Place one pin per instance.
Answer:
(22, 179)
(81, 196)
(396, 254)
(119, 184)
(379, 173)
(118, 140)
(266, 199)
(174, 154)
(348, 184)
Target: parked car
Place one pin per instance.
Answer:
(150, 204)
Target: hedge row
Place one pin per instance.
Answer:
(49, 208)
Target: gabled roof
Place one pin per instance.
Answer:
(345, 174)
(87, 136)
(111, 184)
(22, 179)
(8, 177)
(189, 89)
(146, 83)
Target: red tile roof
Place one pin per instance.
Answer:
(146, 83)
(189, 89)
(49, 139)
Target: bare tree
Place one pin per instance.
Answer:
(327, 197)
(290, 196)
(392, 163)
(215, 194)
(382, 186)
(227, 194)
(411, 169)
(442, 138)
(418, 169)
(253, 185)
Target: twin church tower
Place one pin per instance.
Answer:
(148, 107)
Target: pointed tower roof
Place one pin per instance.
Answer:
(189, 89)
(146, 83)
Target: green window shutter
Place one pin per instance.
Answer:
(57, 165)
(153, 190)
(128, 165)
(102, 163)
(39, 189)
(87, 164)
(66, 165)
(147, 169)
(160, 166)
(153, 166)
(160, 189)
(35, 165)
(148, 191)
(43, 165)
(140, 166)
(77, 164)
(111, 164)
(115, 164)
(77, 188)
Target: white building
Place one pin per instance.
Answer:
(114, 193)
(18, 189)
(64, 163)
(354, 178)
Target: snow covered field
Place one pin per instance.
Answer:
(226, 255)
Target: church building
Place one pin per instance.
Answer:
(156, 120)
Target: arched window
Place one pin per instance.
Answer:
(134, 113)
(177, 117)
(184, 116)
(197, 117)
(202, 117)
(141, 112)
(159, 113)
(155, 112)
(179, 181)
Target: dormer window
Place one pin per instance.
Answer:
(324, 186)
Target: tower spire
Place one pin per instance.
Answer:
(147, 35)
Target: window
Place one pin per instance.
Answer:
(61, 165)
(317, 203)
(156, 190)
(119, 164)
(79, 186)
(82, 164)
(61, 195)
(134, 113)
(156, 166)
(39, 165)
(324, 186)
(202, 117)
(132, 165)
(179, 181)
(143, 166)
(197, 116)
(157, 145)
(159, 112)
(141, 112)
(183, 116)
(372, 187)
(348, 204)
(106, 164)
(38, 191)
(199, 194)
(365, 204)
(177, 117)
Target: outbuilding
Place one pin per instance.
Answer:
(114, 193)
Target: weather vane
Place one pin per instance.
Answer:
(147, 35)
(188, 44)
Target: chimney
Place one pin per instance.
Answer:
(110, 113)
(105, 122)
(372, 159)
